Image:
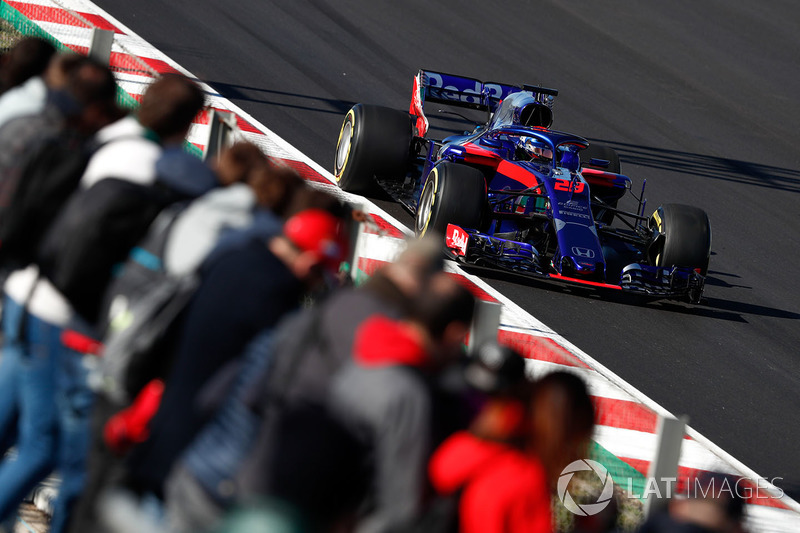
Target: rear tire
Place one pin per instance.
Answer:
(453, 194)
(683, 237)
(373, 141)
(601, 151)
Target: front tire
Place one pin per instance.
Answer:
(682, 237)
(373, 141)
(453, 194)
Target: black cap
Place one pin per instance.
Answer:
(496, 370)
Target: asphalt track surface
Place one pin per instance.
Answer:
(699, 98)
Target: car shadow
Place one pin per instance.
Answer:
(719, 168)
(259, 95)
(709, 307)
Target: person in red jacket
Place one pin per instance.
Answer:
(507, 463)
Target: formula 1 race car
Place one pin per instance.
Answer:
(515, 195)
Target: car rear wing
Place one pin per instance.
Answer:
(461, 91)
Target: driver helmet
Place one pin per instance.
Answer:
(535, 150)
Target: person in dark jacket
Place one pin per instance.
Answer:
(244, 291)
(287, 367)
(174, 249)
(22, 136)
(379, 412)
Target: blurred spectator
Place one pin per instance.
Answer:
(562, 422)
(27, 58)
(119, 193)
(366, 448)
(162, 122)
(280, 370)
(33, 322)
(714, 506)
(45, 158)
(493, 474)
(243, 291)
(170, 256)
(30, 97)
(237, 163)
(234, 206)
(22, 135)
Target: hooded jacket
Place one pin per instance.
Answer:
(383, 398)
(205, 222)
(503, 490)
(312, 349)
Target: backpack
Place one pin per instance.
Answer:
(139, 352)
(94, 232)
(138, 313)
(49, 177)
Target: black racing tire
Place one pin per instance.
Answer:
(682, 237)
(600, 151)
(452, 194)
(373, 141)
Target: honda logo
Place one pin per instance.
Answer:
(582, 252)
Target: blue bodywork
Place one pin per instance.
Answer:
(543, 203)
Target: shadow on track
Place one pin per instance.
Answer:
(262, 96)
(705, 166)
(714, 308)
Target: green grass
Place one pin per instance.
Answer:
(8, 36)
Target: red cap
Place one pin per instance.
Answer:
(317, 231)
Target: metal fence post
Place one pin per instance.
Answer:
(485, 323)
(100, 47)
(356, 233)
(662, 476)
(221, 127)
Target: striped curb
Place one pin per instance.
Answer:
(625, 438)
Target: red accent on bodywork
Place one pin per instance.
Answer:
(517, 173)
(456, 239)
(585, 282)
(480, 155)
(598, 177)
(568, 186)
(416, 107)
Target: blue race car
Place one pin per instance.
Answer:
(515, 195)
